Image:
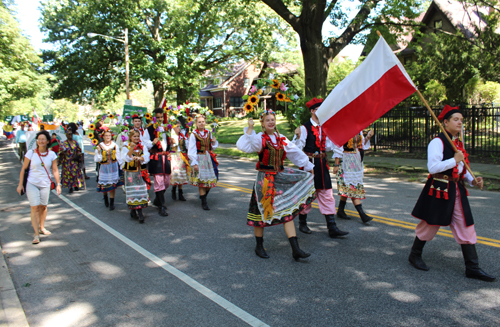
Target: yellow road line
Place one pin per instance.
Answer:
(383, 220)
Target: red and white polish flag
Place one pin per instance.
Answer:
(372, 89)
(163, 104)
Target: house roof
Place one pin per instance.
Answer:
(284, 68)
(464, 16)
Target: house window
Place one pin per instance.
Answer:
(438, 24)
(236, 102)
(218, 103)
(217, 81)
(246, 82)
(408, 60)
(203, 103)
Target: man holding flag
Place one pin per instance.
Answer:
(372, 89)
(313, 141)
(443, 201)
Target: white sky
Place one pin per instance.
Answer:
(28, 15)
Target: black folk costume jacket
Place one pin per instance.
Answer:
(317, 155)
(437, 200)
(159, 162)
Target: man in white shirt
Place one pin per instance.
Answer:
(443, 201)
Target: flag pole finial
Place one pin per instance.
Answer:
(378, 32)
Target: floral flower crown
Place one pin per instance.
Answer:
(267, 112)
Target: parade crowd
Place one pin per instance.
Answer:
(175, 148)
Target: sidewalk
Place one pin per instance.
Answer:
(374, 160)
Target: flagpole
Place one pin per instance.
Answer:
(440, 126)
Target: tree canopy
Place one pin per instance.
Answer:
(19, 63)
(172, 43)
(307, 18)
(456, 61)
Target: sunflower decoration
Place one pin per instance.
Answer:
(248, 107)
(148, 116)
(95, 142)
(111, 116)
(91, 135)
(285, 96)
(92, 127)
(280, 97)
(253, 100)
(190, 119)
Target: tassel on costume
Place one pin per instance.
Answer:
(431, 190)
(445, 195)
(268, 198)
(438, 193)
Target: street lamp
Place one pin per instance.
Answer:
(125, 41)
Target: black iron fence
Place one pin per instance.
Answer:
(412, 128)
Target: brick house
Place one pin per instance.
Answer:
(448, 16)
(223, 91)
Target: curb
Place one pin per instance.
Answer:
(12, 313)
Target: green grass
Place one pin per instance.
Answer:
(230, 131)
(236, 153)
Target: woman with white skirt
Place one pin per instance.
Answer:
(179, 162)
(135, 157)
(349, 169)
(107, 155)
(279, 193)
(204, 172)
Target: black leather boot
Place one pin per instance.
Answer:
(303, 224)
(297, 253)
(156, 201)
(259, 248)
(341, 213)
(133, 214)
(162, 209)
(174, 195)
(106, 200)
(333, 230)
(141, 216)
(204, 204)
(364, 217)
(472, 269)
(415, 257)
(111, 204)
(181, 195)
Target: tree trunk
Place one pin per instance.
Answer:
(159, 91)
(182, 95)
(317, 59)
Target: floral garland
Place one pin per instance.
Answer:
(138, 149)
(284, 94)
(358, 140)
(95, 133)
(210, 118)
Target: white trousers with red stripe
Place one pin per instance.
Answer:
(461, 233)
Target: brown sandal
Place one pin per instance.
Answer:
(45, 231)
(36, 240)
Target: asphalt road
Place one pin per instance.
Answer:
(198, 268)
